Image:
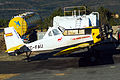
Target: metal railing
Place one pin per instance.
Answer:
(75, 10)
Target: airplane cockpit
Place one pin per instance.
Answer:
(53, 31)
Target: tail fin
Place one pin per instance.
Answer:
(12, 40)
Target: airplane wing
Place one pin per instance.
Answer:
(72, 49)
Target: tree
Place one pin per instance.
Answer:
(4, 23)
(49, 20)
(88, 10)
(105, 15)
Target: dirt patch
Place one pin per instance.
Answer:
(6, 57)
(7, 76)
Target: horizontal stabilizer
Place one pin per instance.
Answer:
(15, 48)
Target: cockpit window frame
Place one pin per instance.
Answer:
(62, 29)
(50, 34)
(55, 32)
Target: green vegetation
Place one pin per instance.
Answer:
(49, 20)
(3, 23)
(106, 17)
(45, 7)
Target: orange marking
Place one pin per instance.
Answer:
(8, 34)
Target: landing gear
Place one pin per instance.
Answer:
(90, 58)
(13, 54)
(28, 56)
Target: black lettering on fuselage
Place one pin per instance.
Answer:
(36, 46)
